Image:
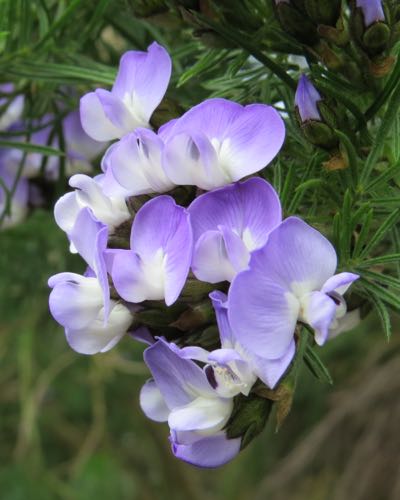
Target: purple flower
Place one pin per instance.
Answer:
(290, 279)
(218, 142)
(110, 210)
(228, 224)
(14, 106)
(181, 394)
(140, 85)
(158, 262)
(19, 200)
(135, 164)
(306, 99)
(372, 11)
(81, 304)
(232, 369)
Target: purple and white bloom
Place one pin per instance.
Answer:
(232, 369)
(14, 106)
(19, 199)
(228, 224)
(372, 11)
(157, 265)
(306, 99)
(89, 192)
(135, 164)
(81, 304)
(291, 278)
(139, 87)
(181, 395)
(219, 141)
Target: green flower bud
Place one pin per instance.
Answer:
(296, 23)
(323, 11)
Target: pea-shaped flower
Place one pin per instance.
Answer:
(291, 278)
(219, 141)
(140, 85)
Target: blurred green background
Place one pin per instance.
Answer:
(71, 426)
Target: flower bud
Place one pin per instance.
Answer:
(323, 11)
(369, 26)
(315, 117)
(295, 21)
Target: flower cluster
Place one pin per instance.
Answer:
(209, 275)
(19, 170)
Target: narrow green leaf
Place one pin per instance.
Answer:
(380, 278)
(364, 232)
(381, 232)
(30, 147)
(383, 314)
(382, 293)
(316, 366)
(382, 179)
(209, 60)
(384, 259)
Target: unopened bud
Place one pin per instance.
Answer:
(306, 99)
(296, 22)
(323, 11)
(315, 118)
(369, 26)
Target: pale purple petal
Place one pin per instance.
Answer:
(270, 371)
(162, 224)
(319, 311)
(129, 277)
(94, 120)
(142, 334)
(372, 11)
(135, 162)
(190, 159)
(262, 313)
(210, 261)
(201, 414)
(220, 304)
(117, 112)
(66, 211)
(339, 283)
(101, 336)
(75, 300)
(211, 451)
(142, 79)
(152, 402)
(250, 208)
(298, 257)
(179, 380)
